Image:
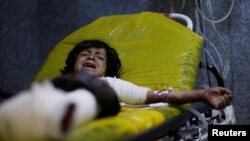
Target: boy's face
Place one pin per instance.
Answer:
(93, 61)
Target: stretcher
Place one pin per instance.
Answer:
(156, 52)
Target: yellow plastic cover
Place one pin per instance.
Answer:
(155, 51)
(129, 122)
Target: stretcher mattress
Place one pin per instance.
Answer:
(155, 51)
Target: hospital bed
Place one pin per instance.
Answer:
(156, 52)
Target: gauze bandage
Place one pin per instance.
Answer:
(126, 91)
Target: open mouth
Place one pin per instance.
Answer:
(89, 65)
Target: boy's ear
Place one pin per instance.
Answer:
(67, 118)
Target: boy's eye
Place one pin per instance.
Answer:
(100, 57)
(83, 53)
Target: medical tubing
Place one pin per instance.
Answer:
(224, 67)
(215, 21)
(223, 43)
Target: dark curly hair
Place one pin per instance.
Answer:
(113, 61)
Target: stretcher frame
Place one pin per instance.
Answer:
(173, 128)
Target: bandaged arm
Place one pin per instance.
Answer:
(128, 92)
(133, 94)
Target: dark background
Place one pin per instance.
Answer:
(29, 29)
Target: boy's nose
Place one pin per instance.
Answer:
(91, 56)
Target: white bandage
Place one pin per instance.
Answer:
(128, 92)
